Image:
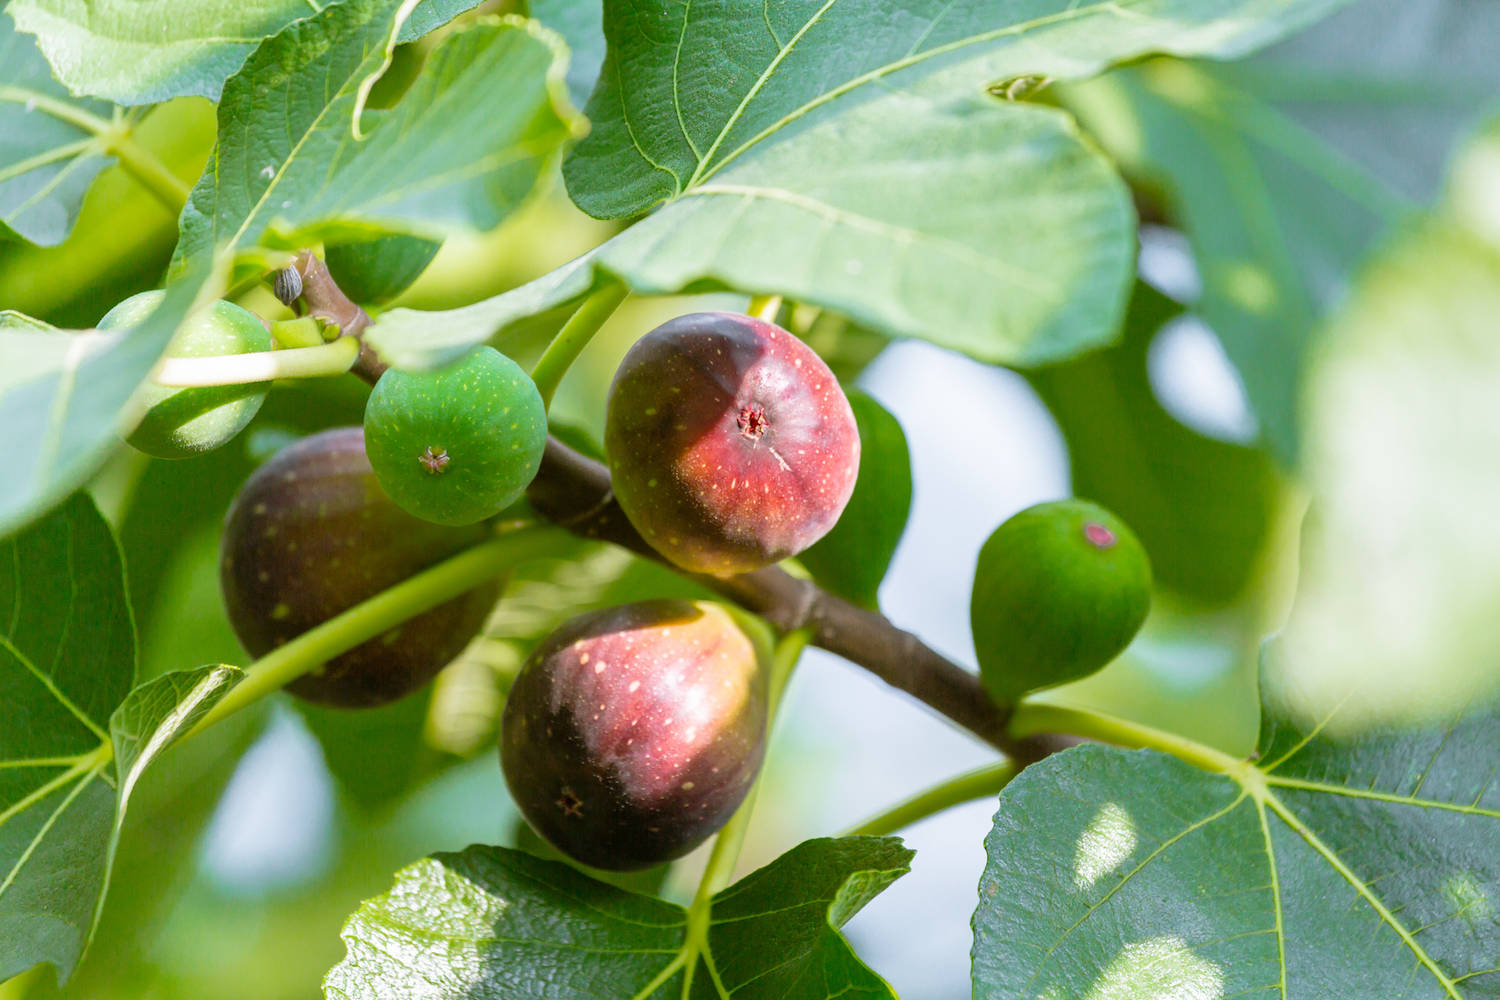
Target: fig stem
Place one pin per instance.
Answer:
(262, 366)
(574, 337)
(1032, 718)
(979, 783)
(148, 171)
(437, 585)
(727, 845)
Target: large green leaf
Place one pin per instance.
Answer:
(1285, 169)
(1201, 507)
(50, 145)
(64, 398)
(288, 168)
(74, 738)
(144, 51)
(688, 90)
(986, 228)
(1363, 867)
(852, 559)
(494, 922)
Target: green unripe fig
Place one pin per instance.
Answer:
(458, 445)
(633, 733)
(312, 534)
(1060, 590)
(181, 422)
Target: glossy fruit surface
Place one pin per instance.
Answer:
(633, 733)
(730, 442)
(181, 422)
(311, 535)
(458, 445)
(1060, 590)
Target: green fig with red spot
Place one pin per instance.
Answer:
(1060, 589)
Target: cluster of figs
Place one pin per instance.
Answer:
(632, 733)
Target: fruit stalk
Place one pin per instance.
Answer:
(241, 369)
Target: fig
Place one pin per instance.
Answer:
(633, 733)
(730, 442)
(312, 534)
(460, 444)
(181, 422)
(1060, 590)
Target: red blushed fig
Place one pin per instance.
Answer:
(730, 442)
(311, 535)
(634, 733)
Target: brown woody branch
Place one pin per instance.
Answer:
(574, 491)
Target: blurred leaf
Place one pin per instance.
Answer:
(64, 396)
(288, 168)
(1202, 507)
(372, 272)
(1400, 569)
(499, 922)
(377, 755)
(1333, 868)
(144, 51)
(1284, 170)
(852, 559)
(50, 144)
(67, 663)
(581, 23)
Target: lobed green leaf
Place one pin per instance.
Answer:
(497, 922)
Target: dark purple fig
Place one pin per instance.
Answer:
(730, 442)
(633, 733)
(311, 535)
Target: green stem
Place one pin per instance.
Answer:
(764, 307)
(726, 852)
(262, 366)
(384, 611)
(574, 337)
(977, 784)
(141, 164)
(1034, 717)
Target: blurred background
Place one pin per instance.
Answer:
(1309, 299)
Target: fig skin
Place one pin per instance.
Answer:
(730, 443)
(1060, 589)
(312, 534)
(460, 444)
(632, 734)
(183, 422)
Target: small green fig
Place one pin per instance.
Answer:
(312, 534)
(1059, 591)
(458, 445)
(181, 422)
(634, 733)
(730, 443)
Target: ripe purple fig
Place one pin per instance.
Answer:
(312, 534)
(634, 733)
(730, 442)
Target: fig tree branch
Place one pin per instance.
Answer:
(574, 491)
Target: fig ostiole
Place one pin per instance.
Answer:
(312, 534)
(730, 443)
(181, 422)
(457, 445)
(633, 733)
(1060, 589)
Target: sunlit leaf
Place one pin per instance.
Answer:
(498, 922)
(1359, 867)
(143, 51)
